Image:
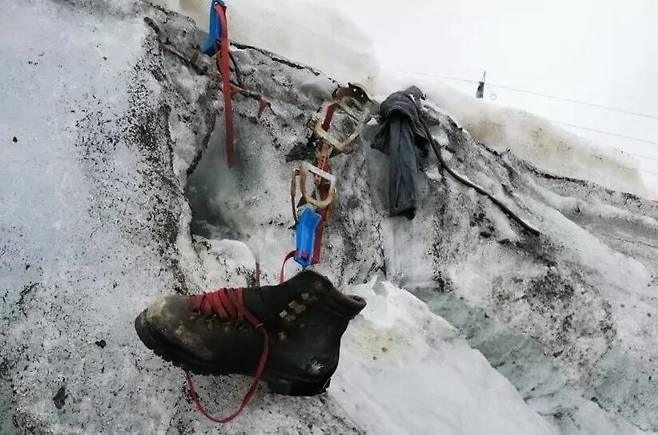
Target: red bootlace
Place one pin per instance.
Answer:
(229, 303)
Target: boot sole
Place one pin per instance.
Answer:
(278, 383)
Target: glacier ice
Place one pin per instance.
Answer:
(116, 193)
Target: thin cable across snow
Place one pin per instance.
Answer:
(539, 94)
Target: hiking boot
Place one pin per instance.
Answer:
(289, 334)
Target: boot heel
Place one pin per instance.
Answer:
(288, 387)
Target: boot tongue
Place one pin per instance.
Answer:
(313, 283)
(268, 301)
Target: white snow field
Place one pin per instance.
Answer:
(115, 192)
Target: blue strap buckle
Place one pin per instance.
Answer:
(214, 29)
(305, 236)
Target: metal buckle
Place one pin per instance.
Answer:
(341, 99)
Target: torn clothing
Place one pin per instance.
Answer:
(403, 138)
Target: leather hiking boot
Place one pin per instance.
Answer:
(289, 334)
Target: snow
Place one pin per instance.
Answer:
(430, 380)
(299, 29)
(308, 31)
(117, 193)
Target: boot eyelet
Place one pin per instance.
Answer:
(297, 307)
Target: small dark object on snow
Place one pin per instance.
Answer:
(403, 137)
(60, 397)
(101, 344)
(304, 319)
(14, 139)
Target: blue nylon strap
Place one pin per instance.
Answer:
(214, 29)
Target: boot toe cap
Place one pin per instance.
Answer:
(161, 320)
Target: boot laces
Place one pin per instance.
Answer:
(229, 304)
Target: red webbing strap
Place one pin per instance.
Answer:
(282, 276)
(223, 63)
(328, 117)
(324, 191)
(317, 247)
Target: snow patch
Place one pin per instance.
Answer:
(303, 30)
(432, 381)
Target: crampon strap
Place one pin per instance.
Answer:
(324, 192)
(223, 65)
(229, 303)
(282, 276)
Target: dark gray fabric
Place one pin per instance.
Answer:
(403, 138)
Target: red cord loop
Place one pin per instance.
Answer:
(229, 303)
(282, 274)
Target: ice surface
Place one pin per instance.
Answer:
(521, 359)
(403, 370)
(116, 192)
